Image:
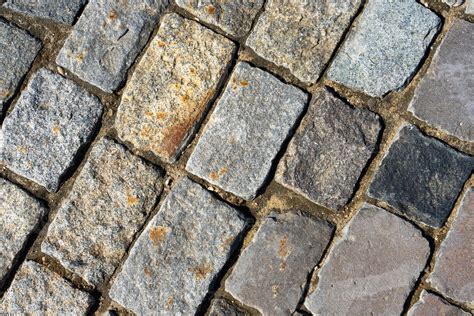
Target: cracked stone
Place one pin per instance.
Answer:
(372, 268)
(179, 255)
(36, 290)
(445, 95)
(51, 121)
(252, 119)
(301, 35)
(333, 144)
(421, 177)
(107, 38)
(171, 88)
(107, 205)
(430, 304)
(272, 271)
(221, 307)
(385, 46)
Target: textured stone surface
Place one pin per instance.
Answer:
(246, 130)
(233, 17)
(451, 275)
(272, 271)
(172, 86)
(372, 268)
(51, 121)
(63, 11)
(18, 49)
(181, 251)
(453, 3)
(108, 204)
(385, 46)
(421, 176)
(36, 290)
(430, 305)
(20, 214)
(301, 35)
(221, 307)
(470, 7)
(445, 95)
(333, 144)
(107, 38)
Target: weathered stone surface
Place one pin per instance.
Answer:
(385, 46)
(108, 204)
(430, 304)
(51, 121)
(180, 253)
(272, 271)
(453, 3)
(301, 35)
(172, 86)
(325, 158)
(20, 214)
(470, 7)
(451, 275)
(421, 176)
(246, 130)
(107, 38)
(372, 268)
(36, 290)
(18, 49)
(233, 17)
(445, 95)
(221, 307)
(63, 11)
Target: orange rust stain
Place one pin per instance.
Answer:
(174, 136)
(161, 115)
(22, 149)
(169, 302)
(283, 250)
(211, 9)
(5, 94)
(158, 234)
(147, 271)
(201, 271)
(185, 98)
(283, 266)
(192, 71)
(223, 171)
(161, 44)
(145, 132)
(214, 175)
(132, 200)
(112, 15)
(56, 130)
(244, 83)
(149, 114)
(80, 57)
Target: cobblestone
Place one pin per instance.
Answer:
(221, 307)
(470, 7)
(430, 304)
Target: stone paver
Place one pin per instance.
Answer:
(181, 251)
(325, 158)
(20, 214)
(109, 202)
(470, 7)
(63, 11)
(421, 177)
(385, 46)
(301, 35)
(38, 291)
(183, 64)
(372, 268)
(18, 49)
(430, 304)
(445, 95)
(233, 17)
(107, 38)
(252, 119)
(272, 271)
(50, 122)
(451, 275)
(221, 307)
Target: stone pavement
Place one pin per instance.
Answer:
(278, 157)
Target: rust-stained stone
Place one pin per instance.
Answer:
(172, 86)
(430, 305)
(109, 202)
(222, 307)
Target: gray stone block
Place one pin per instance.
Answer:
(221, 307)
(470, 7)
(430, 304)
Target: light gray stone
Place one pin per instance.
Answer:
(38, 291)
(470, 7)
(331, 147)
(51, 121)
(373, 267)
(180, 253)
(252, 119)
(222, 307)
(108, 203)
(107, 38)
(272, 271)
(171, 88)
(445, 95)
(20, 215)
(301, 35)
(385, 46)
(233, 17)
(18, 49)
(430, 304)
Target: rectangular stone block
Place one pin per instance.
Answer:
(251, 121)
(180, 253)
(171, 88)
(430, 304)
(272, 271)
(372, 268)
(107, 205)
(107, 38)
